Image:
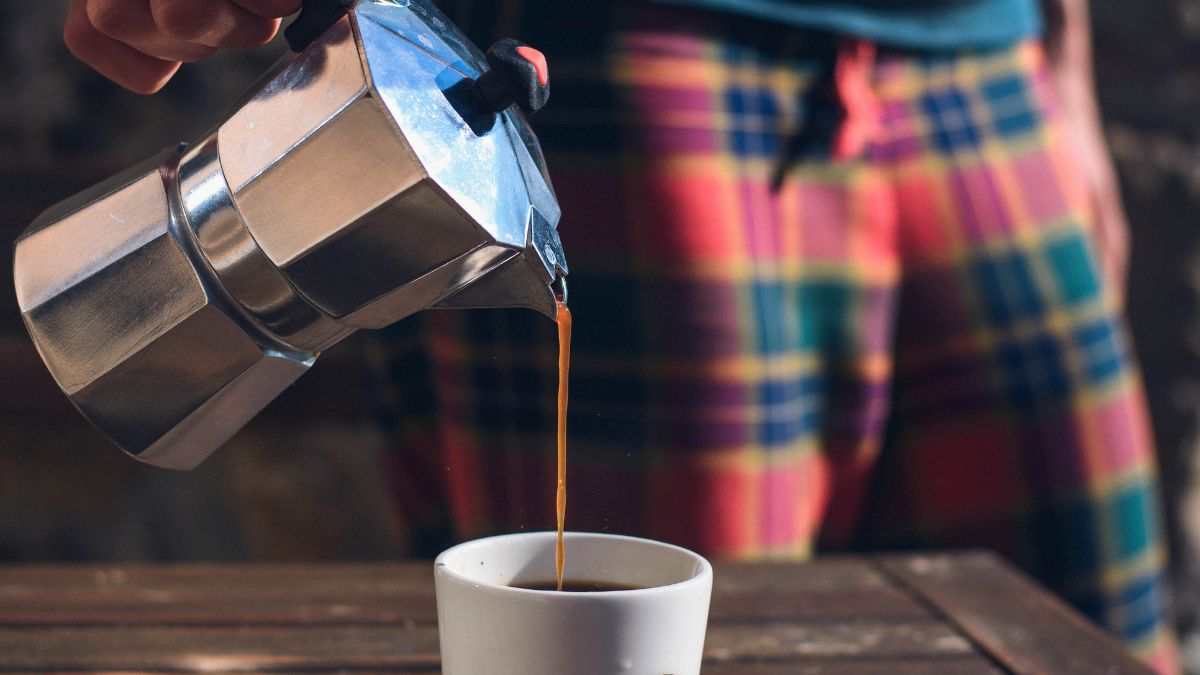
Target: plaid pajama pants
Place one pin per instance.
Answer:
(776, 352)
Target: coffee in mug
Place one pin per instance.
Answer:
(576, 586)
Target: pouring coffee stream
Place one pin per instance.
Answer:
(383, 169)
(564, 370)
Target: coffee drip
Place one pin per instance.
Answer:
(564, 366)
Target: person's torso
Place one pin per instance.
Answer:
(922, 24)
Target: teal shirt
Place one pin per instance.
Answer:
(929, 24)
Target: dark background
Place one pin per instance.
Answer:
(1148, 79)
(303, 480)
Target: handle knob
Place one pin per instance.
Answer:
(519, 75)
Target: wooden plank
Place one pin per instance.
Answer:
(290, 579)
(1021, 625)
(841, 589)
(830, 588)
(946, 666)
(738, 642)
(406, 670)
(213, 594)
(954, 665)
(414, 646)
(228, 649)
(224, 611)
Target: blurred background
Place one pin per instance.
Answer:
(303, 480)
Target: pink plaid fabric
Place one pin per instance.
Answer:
(777, 353)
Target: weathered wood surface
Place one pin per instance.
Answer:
(414, 646)
(1023, 627)
(836, 616)
(958, 665)
(389, 593)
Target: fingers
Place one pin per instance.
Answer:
(132, 22)
(213, 23)
(140, 43)
(112, 58)
(270, 9)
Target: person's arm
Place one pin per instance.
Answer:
(139, 44)
(1069, 52)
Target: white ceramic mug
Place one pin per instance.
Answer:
(487, 627)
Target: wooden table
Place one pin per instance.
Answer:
(893, 615)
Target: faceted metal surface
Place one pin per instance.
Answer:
(375, 208)
(242, 269)
(299, 99)
(426, 26)
(361, 182)
(131, 333)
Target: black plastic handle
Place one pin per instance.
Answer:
(316, 16)
(519, 75)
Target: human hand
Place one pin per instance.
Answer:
(139, 44)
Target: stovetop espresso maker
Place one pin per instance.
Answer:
(381, 169)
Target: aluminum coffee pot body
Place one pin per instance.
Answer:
(382, 170)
